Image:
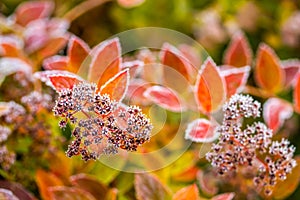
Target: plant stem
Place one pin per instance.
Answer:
(82, 8)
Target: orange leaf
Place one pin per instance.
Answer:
(148, 186)
(61, 82)
(106, 61)
(297, 95)
(236, 79)
(29, 11)
(190, 192)
(52, 47)
(268, 72)
(201, 130)
(224, 196)
(164, 97)
(172, 57)
(238, 53)
(77, 52)
(116, 87)
(56, 63)
(275, 111)
(210, 87)
(45, 180)
(186, 175)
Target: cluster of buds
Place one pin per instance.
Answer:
(36, 101)
(250, 147)
(7, 158)
(102, 125)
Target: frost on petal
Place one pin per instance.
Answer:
(201, 130)
(10, 66)
(61, 82)
(236, 79)
(44, 76)
(275, 111)
(29, 11)
(173, 58)
(268, 72)
(224, 196)
(77, 52)
(56, 63)
(238, 53)
(210, 91)
(116, 87)
(164, 97)
(106, 61)
(10, 46)
(291, 69)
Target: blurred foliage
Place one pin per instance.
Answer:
(212, 23)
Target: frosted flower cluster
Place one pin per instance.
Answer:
(102, 125)
(250, 147)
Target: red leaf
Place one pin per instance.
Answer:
(134, 67)
(164, 97)
(207, 182)
(106, 61)
(236, 79)
(201, 130)
(238, 53)
(61, 82)
(29, 11)
(77, 52)
(275, 111)
(189, 192)
(268, 72)
(297, 94)
(148, 186)
(69, 193)
(172, 57)
(135, 92)
(291, 69)
(224, 196)
(116, 87)
(56, 63)
(210, 91)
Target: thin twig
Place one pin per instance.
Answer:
(82, 8)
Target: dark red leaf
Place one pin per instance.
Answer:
(106, 61)
(147, 186)
(201, 130)
(275, 111)
(210, 91)
(238, 53)
(164, 97)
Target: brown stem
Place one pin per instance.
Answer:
(257, 92)
(82, 8)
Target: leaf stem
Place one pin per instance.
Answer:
(82, 8)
